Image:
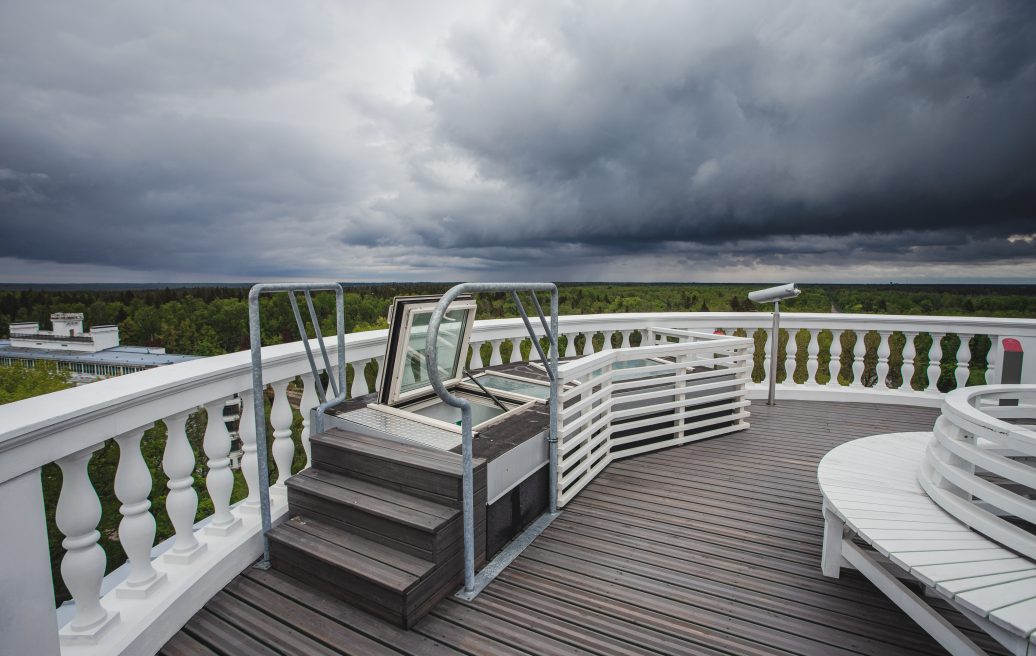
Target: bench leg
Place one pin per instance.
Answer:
(934, 624)
(831, 558)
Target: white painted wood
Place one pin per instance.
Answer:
(181, 503)
(873, 486)
(476, 355)
(82, 566)
(932, 622)
(220, 479)
(516, 349)
(283, 449)
(767, 353)
(137, 527)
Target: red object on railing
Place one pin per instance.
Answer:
(1012, 345)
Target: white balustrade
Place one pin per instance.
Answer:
(137, 528)
(813, 353)
(358, 386)
(834, 366)
(516, 349)
(249, 459)
(767, 355)
(935, 362)
(283, 448)
(790, 351)
(882, 368)
(67, 426)
(494, 356)
(220, 479)
(859, 351)
(82, 567)
(963, 360)
(309, 401)
(181, 503)
(909, 353)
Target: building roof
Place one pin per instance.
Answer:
(141, 356)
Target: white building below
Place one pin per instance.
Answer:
(89, 355)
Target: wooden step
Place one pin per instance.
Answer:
(413, 468)
(402, 521)
(383, 581)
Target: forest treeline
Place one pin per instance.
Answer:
(214, 320)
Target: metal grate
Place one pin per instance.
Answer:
(401, 427)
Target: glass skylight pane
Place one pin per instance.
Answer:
(414, 370)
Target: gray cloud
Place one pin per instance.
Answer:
(660, 141)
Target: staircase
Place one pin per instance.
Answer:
(378, 524)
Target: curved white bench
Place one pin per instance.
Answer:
(871, 490)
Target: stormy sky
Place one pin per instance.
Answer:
(693, 140)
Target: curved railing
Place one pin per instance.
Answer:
(981, 463)
(845, 357)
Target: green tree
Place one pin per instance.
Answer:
(19, 382)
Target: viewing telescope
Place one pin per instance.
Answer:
(775, 295)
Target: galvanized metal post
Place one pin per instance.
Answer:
(434, 377)
(258, 397)
(771, 399)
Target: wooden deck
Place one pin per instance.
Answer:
(708, 548)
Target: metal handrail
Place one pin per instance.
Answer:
(432, 362)
(255, 340)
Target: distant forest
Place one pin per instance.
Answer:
(214, 320)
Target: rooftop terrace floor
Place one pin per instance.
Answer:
(708, 548)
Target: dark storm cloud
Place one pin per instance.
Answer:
(575, 140)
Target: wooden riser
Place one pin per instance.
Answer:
(423, 472)
(378, 524)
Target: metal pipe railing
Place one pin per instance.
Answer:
(432, 361)
(255, 340)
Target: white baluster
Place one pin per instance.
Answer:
(494, 355)
(249, 460)
(934, 363)
(991, 360)
(588, 345)
(379, 367)
(476, 355)
(882, 368)
(625, 339)
(813, 351)
(608, 340)
(82, 566)
(909, 352)
(963, 360)
(791, 350)
(309, 401)
(137, 528)
(283, 448)
(835, 365)
(181, 503)
(859, 350)
(766, 354)
(220, 480)
(516, 349)
(359, 385)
